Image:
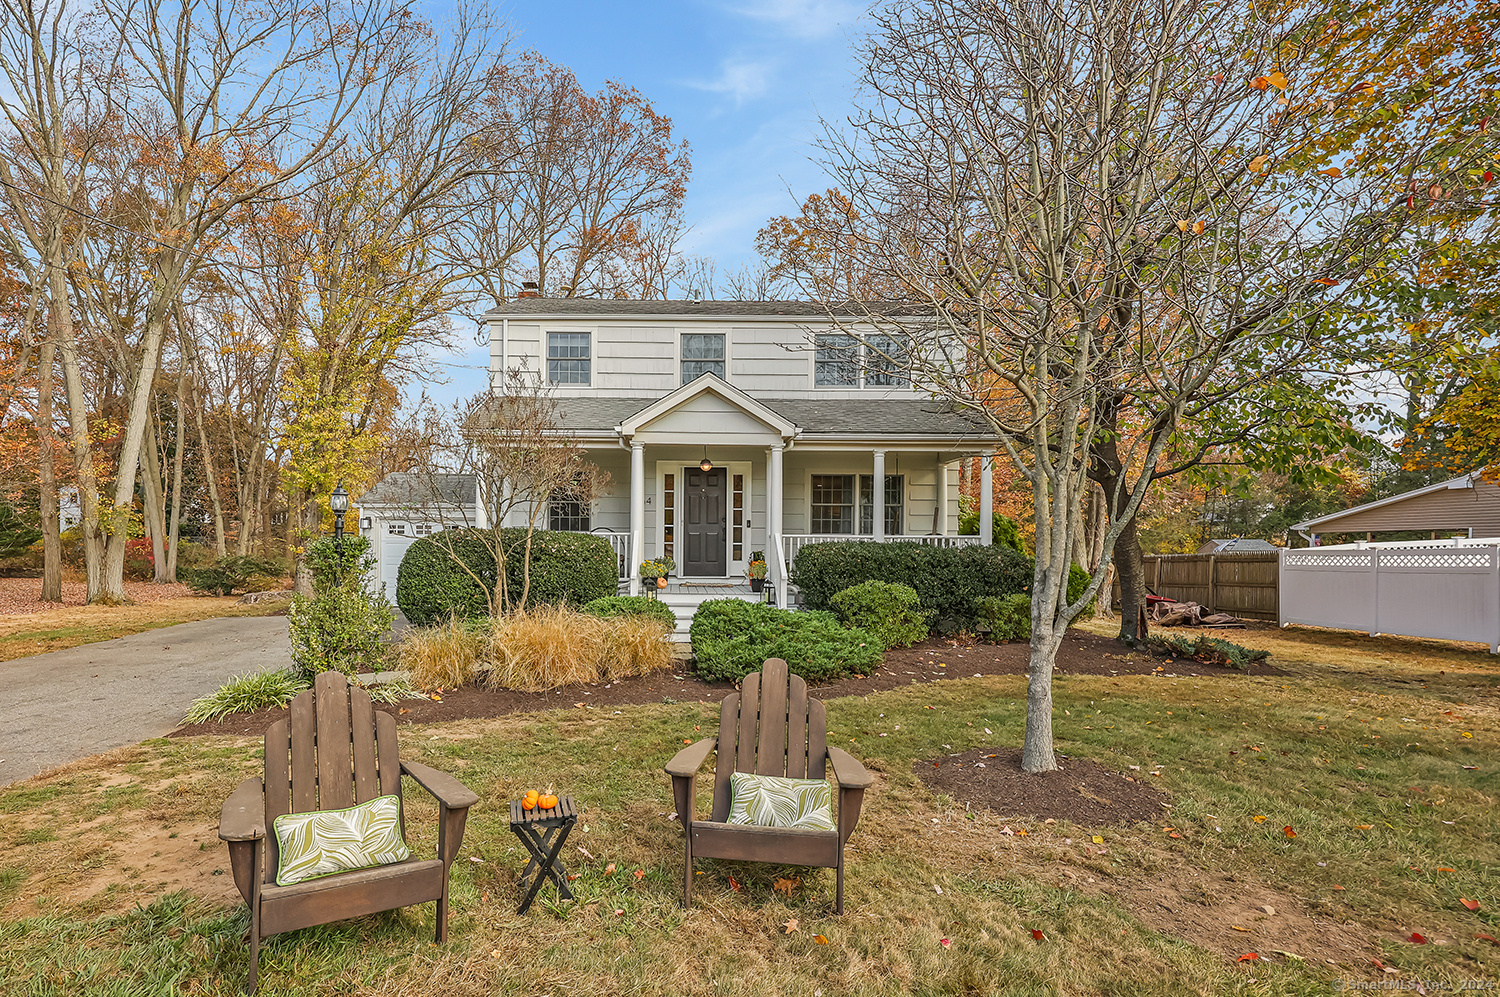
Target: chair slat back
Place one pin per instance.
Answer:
(770, 727)
(333, 751)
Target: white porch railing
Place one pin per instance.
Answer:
(621, 543)
(794, 542)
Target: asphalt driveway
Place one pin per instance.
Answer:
(70, 704)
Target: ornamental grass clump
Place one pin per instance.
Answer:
(553, 646)
(247, 694)
(446, 655)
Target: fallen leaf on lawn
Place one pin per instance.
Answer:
(1259, 818)
(585, 852)
(1288, 831)
(1467, 734)
(1337, 887)
(609, 870)
(820, 939)
(640, 874)
(1364, 827)
(1174, 834)
(790, 926)
(1248, 957)
(785, 885)
(1443, 868)
(403, 710)
(733, 885)
(1417, 938)
(1471, 904)
(1097, 839)
(1236, 927)
(619, 912)
(945, 942)
(1036, 933)
(1022, 833)
(1488, 938)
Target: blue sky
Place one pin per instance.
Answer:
(744, 82)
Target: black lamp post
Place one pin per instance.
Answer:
(339, 503)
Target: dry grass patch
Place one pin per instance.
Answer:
(550, 646)
(442, 656)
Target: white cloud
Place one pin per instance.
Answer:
(804, 18)
(741, 80)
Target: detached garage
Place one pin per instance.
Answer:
(405, 506)
(1466, 505)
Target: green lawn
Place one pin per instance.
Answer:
(108, 869)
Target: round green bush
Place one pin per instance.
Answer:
(633, 605)
(949, 581)
(1007, 617)
(451, 573)
(732, 638)
(889, 610)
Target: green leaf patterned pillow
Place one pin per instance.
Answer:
(323, 842)
(773, 801)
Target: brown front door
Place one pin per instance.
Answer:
(703, 522)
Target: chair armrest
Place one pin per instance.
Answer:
(847, 771)
(689, 760)
(244, 815)
(447, 790)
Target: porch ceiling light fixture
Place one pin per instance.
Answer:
(705, 464)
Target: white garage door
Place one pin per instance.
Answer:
(392, 550)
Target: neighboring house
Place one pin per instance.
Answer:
(1466, 505)
(1238, 545)
(733, 426)
(69, 507)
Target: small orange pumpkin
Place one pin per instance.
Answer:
(547, 802)
(528, 804)
(661, 583)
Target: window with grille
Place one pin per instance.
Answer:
(837, 361)
(569, 514)
(396, 529)
(668, 513)
(568, 357)
(885, 362)
(895, 490)
(832, 503)
(425, 529)
(702, 353)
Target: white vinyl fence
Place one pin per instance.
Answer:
(1448, 589)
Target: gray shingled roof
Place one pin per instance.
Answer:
(1243, 545)
(403, 488)
(815, 416)
(605, 307)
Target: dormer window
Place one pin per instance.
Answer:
(702, 353)
(568, 357)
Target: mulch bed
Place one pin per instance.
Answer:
(932, 660)
(1080, 791)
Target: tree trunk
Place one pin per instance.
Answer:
(1132, 573)
(90, 527)
(220, 549)
(307, 516)
(1037, 753)
(51, 540)
(174, 528)
(154, 510)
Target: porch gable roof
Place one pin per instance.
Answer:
(702, 385)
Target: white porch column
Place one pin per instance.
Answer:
(879, 495)
(637, 513)
(774, 499)
(940, 520)
(987, 498)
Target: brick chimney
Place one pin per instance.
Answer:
(528, 290)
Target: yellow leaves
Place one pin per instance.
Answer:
(1182, 225)
(1198, 227)
(1258, 164)
(1278, 80)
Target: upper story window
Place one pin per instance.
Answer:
(885, 362)
(568, 357)
(837, 360)
(702, 353)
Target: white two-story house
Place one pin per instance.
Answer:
(728, 427)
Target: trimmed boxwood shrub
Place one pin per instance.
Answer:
(889, 610)
(1007, 617)
(732, 638)
(572, 568)
(633, 605)
(949, 581)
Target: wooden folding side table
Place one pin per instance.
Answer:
(544, 832)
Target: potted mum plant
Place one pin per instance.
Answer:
(658, 569)
(757, 573)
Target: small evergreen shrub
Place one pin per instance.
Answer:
(949, 581)
(633, 605)
(433, 584)
(889, 610)
(1209, 650)
(1007, 617)
(341, 626)
(732, 638)
(16, 536)
(1078, 580)
(1006, 530)
(225, 575)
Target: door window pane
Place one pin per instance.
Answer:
(702, 353)
(668, 514)
(832, 503)
(837, 359)
(568, 357)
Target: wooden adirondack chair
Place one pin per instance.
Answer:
(334, 751)
(769, 727)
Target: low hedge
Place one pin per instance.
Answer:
(732, 638)
(949, 581)
(633, 605)
(566, 568)
(888, 610)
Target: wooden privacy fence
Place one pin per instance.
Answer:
(1244, 585)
